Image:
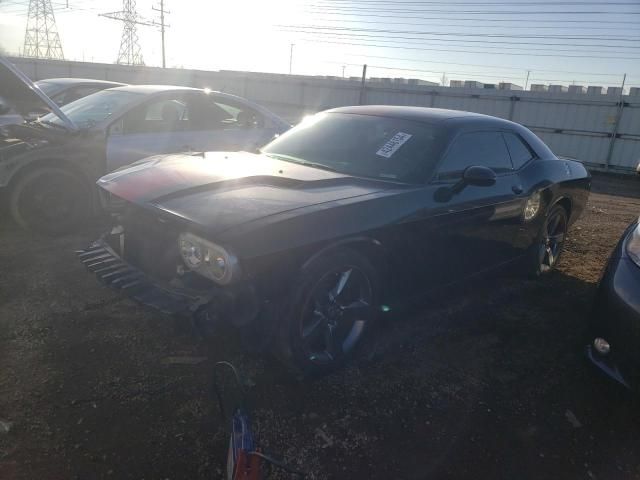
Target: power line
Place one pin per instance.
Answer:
(489, 35)
(387, 16)
(472, 12)
(509, 3)
(476, 24)
(59, 8)
(464, 43)
(448, 50)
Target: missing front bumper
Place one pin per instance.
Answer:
(100, 259)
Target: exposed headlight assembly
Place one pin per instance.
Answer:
(208, 259)
(633, 245)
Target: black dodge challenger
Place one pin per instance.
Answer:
(308, 241)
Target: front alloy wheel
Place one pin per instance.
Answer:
(335, 314)
(332, 307)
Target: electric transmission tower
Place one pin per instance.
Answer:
(41, 37)
(129, 53)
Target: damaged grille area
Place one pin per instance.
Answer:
(110, 269)
(148, 242)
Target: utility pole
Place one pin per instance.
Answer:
(614, 133)
(444, 79)
(526, 82)
(362, 84)
(291, 58)
(41, 39)
(162, 28)
(129, 53)
(343, 67)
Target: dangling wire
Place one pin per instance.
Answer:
(216, 368)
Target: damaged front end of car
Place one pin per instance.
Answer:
(144, 256)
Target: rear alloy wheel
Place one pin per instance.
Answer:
(49, 199)
(334, 307)
(551, 241)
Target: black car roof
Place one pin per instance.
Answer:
(453, 120)
(422, 114)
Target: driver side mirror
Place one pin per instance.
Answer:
(478, 176)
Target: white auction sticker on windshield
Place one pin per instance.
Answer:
(392, 146)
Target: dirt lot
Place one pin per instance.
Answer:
(482, 384)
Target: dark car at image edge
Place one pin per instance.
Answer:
(350, 212)
(614, 333)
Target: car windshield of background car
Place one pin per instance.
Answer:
(93, 109)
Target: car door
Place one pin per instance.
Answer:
(476, 227)
(160, 125)
(225, 124)
(532, 191)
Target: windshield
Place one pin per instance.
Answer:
(49, 88)
(94, 108)
(362, 145)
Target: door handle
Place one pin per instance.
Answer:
(517, 189)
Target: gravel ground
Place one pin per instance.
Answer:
(486, 382)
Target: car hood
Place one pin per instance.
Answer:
(220, 190)
(23, 95)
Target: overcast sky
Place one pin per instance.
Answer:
(562, 41)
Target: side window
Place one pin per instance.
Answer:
(221, 113)
(160, 115)
(476, 148)
(243, 116)
(519, 151)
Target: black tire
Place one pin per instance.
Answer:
(312, 321)
(544, 255)
(50, 200)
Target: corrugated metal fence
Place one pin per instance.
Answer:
(603, 131)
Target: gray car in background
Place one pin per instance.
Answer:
(48, 166)
(67, 90)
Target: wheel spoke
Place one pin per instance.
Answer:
(313, 330)
(342, 282)
(358, 310)
(331, 342)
